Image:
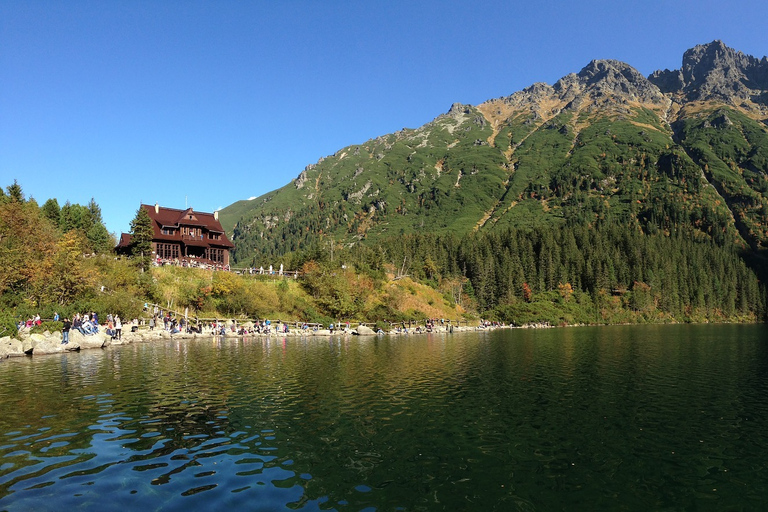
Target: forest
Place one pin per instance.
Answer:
(61, 259)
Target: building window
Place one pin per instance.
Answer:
(167, 251)
(167, 231)
(215, 255)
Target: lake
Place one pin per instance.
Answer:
(611, 418)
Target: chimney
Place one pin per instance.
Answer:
(216, 215)
(157, 208)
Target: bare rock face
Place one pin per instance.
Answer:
(716, 72)
(668, 81)
(601, 83)
(612, 78)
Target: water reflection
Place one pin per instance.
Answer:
(633, 418)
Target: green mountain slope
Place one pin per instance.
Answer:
(680, 150)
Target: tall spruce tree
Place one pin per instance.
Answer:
(15, 193)
(141, 239)
(97, 234)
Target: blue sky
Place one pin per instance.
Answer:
(204, 103)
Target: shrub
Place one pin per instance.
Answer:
(50, 326)
(7, 325)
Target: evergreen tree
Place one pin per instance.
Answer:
(66, 221)
(141, 239)
(97, 234)
(52, 211)
(15, 193)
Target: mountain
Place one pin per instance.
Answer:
(681, 150)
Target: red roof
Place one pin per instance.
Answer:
(125, 240)
(174, 220)
(178, 219)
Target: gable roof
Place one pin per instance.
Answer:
(176, 219)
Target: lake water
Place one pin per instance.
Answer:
(613, 418)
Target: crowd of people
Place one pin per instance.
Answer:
(191, 263)
(86, 324)
(195, 263)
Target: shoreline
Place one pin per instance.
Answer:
(50, 343)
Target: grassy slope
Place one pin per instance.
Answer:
(462, 173)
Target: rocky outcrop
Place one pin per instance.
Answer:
(716, 72)
(602, 83)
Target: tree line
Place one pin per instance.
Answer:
(600, 273)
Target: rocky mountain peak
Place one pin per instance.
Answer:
(601, 82)
(714, 71)
(611, 70)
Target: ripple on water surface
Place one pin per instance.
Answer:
(631, 418)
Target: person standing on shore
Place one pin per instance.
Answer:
(118, 327)
(65, 331)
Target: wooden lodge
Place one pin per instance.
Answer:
(184, 236)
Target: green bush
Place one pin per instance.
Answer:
(49, 326)
(7, 325)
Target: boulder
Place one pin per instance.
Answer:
(364, 330)
(47, 345)
(10, 347)
(92, 341)
(27, 346)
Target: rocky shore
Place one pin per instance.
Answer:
(50, 343)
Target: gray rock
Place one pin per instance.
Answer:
(10, 347)
(47, 346)
(715, 72)
(75, 337)
(364, 330)
(92, 341)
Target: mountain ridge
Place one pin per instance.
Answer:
(606, 142)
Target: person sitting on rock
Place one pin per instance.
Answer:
(78, 324)
(110, 329)
(87, 328)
